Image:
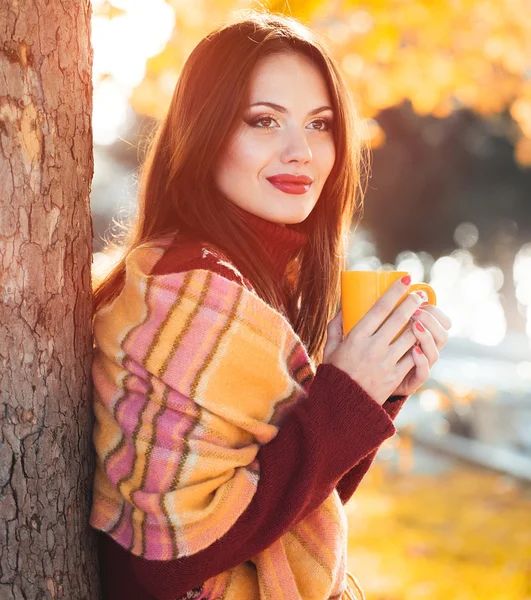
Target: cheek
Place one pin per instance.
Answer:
(327, 155)
(245, 155)
(231, 159)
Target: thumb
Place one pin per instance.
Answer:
(334, 333)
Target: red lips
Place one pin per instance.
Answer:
(291, 184)
(287, 178)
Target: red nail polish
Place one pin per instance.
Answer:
(419, 326)
(418, 349)
(406, 280)
(416, 313)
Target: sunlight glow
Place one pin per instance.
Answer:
(522, 281)
(122, 45)
(429, 400)
(468, 294)
(111, 107)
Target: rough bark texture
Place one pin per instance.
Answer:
(46, 456)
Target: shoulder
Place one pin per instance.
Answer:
(186, 255)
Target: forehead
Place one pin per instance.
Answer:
(287, 78)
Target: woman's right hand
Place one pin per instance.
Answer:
(366, 353)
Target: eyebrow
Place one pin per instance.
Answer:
(281, 109)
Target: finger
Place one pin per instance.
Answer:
(419, 363)
(427, 343)
(405, 364)
(422, 370)
(403, 343)
(430, 322)
(400, 317)
(334, 333)
(443, 319)
(383, 307)
(335, 326)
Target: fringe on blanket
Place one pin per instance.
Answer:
(348, 594)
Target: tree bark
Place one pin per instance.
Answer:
(47, 548)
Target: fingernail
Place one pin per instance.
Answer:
(406, 280)
(420, 326)
(418, 349)
(422, 294)
(416, 313)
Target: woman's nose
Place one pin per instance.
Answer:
(296, 147)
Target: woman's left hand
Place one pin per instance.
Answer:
(431, 340)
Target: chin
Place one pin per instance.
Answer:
(294, 220)
(287, 218)
(284, 214)
(299, 216)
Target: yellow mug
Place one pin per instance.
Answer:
(361, 289)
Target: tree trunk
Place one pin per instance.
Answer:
(47, 549)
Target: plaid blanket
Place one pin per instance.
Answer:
(192, 374)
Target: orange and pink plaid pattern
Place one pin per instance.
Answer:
(192, 374)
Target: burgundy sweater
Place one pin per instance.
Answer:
(328, 440)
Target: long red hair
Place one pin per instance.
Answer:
(177, 193)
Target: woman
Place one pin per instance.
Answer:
(233, 420)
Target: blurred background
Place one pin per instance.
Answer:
(444, 91)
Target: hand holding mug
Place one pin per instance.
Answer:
(377, 351)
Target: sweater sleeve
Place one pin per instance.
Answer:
(351, 480)
(336, 427)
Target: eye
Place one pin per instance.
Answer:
(326, 125)
(266, 118)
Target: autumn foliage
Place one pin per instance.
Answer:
(441, 55)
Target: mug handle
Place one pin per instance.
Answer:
(432, 297)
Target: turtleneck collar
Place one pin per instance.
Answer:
(280, 242)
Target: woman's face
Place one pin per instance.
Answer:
(285, 131)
